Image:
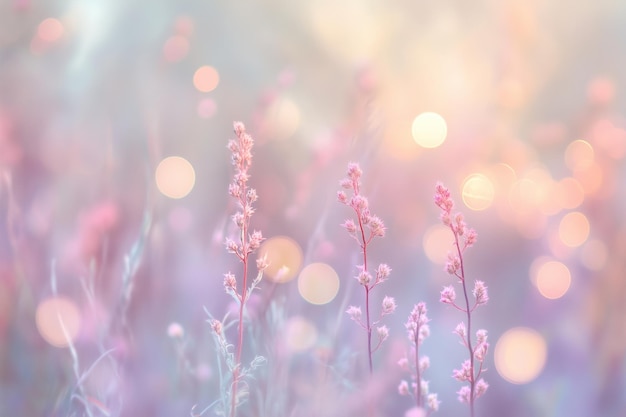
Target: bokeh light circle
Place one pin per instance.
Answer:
(437, 243)
(574, 229)
(50, 30)
(318, 283)
(429, 130)
(520, 355)
(284, 256)
(282, 119)
(206, 79)
(175, 177)
(300, 334)
(478, 192)
(552, 279)
(58, 321)
(579, 155)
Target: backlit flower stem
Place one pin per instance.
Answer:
(468, 313)
(366, 228)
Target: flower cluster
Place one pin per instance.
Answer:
(464, 237)
(246, 244)
(418, 330)
(363, 230)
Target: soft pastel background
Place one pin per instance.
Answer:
(95, 94)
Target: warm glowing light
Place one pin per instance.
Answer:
(58, 321)
(50, 30)
(437, 243)
(594, 255)
(574, 229)
(175, 48)
(590, 178)
(206, 79)
(579, 155)
(282, 119)
(535, 266)
(571, 193)
(206, 108)
(300, 334)
(350, 30)
(478, 192)
(284, 256)
(520, 355)
(553, 279)
(175, 177)
(429, 130)
(318, 283)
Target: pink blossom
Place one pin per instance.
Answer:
(403, 388)
(389, 306)
(480, 292)
(349, 226)
(354, 313)
(448, 295)
(464, 394)
(481, 388)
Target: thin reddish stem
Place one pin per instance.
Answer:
(418, 388)
(469, 323)
(242, 299)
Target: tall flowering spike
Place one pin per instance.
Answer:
(417, 331)
(247, 243)
(464, 237)
(363, 228)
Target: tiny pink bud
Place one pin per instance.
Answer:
(377, 226)
(460, 330)
(216, 326)
(480, 292)
(470, 238)
(354, 171)
(389, 306)
(354, 313)
(448, 295)
(464, 394)
(231, 246)
(382, 272)
(403, 388)
(480, 388)
(404, 363)
(255, 240)
(252, 195)
(239, 128)
(350, 226)
(433, 402)
(364, 278)
(345, 183)
(453, 264)
(175, 331)
(383, 333)
(341, 197)
(230, 283)
(262, 263)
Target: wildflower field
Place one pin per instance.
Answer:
(312, 209)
